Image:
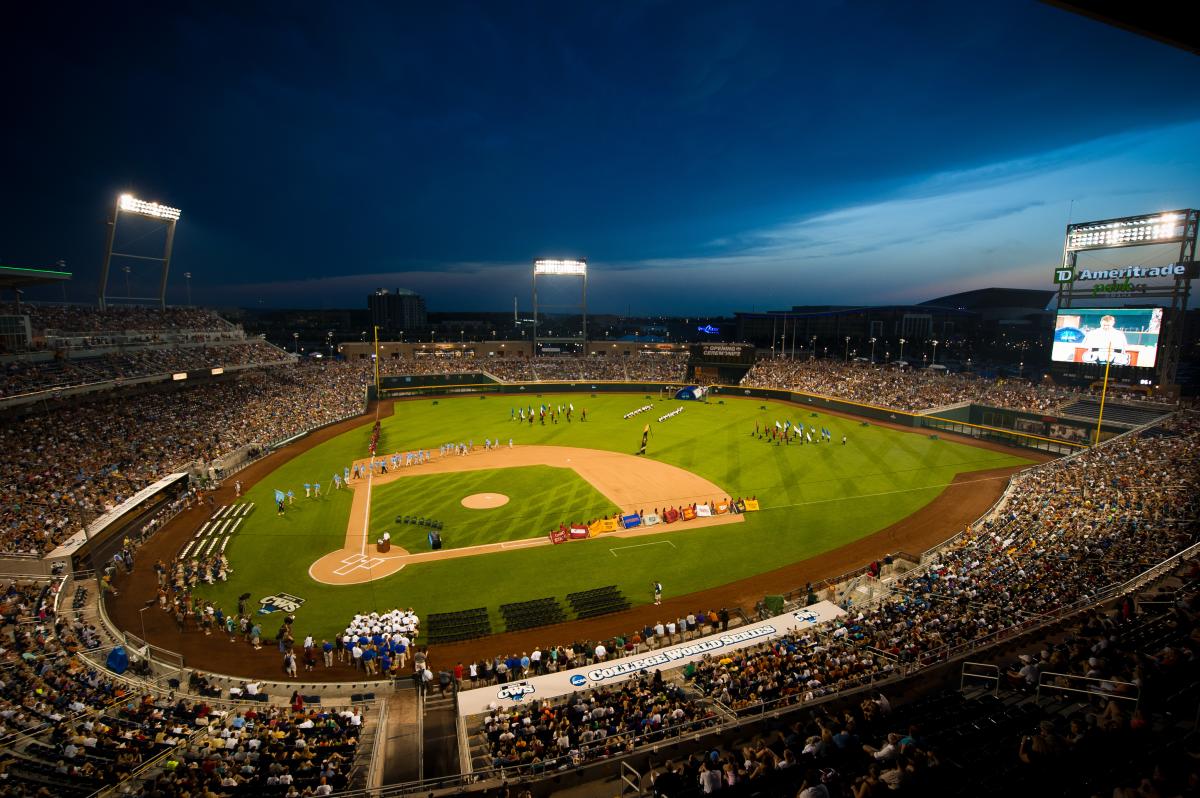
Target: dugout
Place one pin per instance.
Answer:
(93, 548)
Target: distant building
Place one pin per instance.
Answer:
(396, 311)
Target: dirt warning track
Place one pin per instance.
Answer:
(630, 482)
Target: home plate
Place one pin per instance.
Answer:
(484, 501)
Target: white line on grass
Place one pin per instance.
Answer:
(614, 551)
(367, 513)
(941, 486)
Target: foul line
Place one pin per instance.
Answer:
(614, 551)
(939, 487)
(367, 510)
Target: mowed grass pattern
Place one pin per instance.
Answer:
(539, 497)
(815, 498)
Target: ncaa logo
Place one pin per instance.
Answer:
(517, 691)
(579, 680)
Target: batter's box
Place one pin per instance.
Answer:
(356, 561)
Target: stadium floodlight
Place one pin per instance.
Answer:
(1133, 231)
(131, 204)
(560, 267)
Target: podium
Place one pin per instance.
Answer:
(383, 546)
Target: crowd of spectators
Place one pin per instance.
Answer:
(69, 320)
(27, 376)
(902, 388)
(670, 368)
(1065, 531)
(287, 751)
(65, 728)
(605, 722)
(66, 465)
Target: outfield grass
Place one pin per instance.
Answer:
(815, 498)
(539, 497)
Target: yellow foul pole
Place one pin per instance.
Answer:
(1103, 393)
(377, 362)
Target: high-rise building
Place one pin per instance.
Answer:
(396, 311)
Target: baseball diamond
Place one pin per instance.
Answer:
(820, 503)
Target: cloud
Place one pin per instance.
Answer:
(999, 224)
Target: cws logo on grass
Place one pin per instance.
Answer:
(280, 602)
(516, 692)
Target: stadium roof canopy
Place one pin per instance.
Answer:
(994, 298)
(17, 277)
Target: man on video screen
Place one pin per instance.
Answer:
(1105, 341)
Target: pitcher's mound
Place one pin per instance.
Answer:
(484, 501)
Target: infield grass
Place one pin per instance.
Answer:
(814, 497)
(535, 494)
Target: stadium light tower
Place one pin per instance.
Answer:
(132, 206)
(901, 350)
(546, 267)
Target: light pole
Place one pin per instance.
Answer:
(187, 276)
(295, 343)
(814, 347)
(872, 351)
(935, 343)
(128, 290)
(901, 358)
(847, 355)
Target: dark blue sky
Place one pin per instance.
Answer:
(704, 157)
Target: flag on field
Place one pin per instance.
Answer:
(571, 405)
(646, 428)
(787, 425)
(778, 425)
(279, 496)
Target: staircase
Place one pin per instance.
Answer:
(440, 738)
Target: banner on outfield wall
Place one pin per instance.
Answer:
(541, 688)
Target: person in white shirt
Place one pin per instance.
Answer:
(1105, 339)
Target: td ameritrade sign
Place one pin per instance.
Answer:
(614, 671)
(1121, 280)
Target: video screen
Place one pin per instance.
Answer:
(1119, 337)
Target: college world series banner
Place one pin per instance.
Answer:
(474, 702)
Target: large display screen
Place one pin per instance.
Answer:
(1121, 336)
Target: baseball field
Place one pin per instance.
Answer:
(814, 498)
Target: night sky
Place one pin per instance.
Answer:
(704, 157)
